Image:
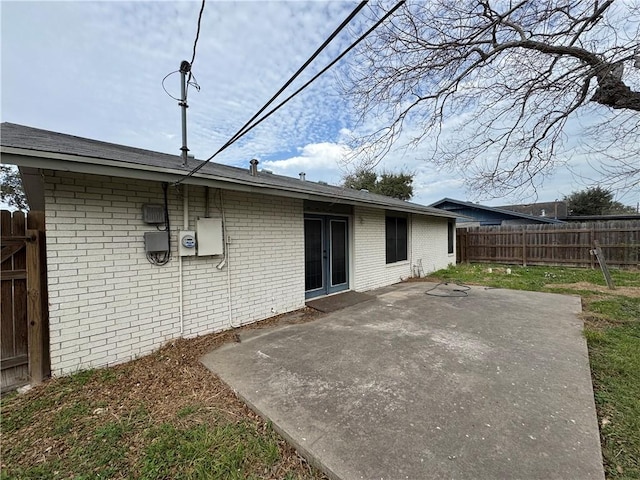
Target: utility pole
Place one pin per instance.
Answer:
(185, 68)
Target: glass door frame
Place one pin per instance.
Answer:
(327, 255)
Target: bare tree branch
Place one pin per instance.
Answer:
(515, 72)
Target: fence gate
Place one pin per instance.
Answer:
(24, 326)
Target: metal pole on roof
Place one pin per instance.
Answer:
(185, 67)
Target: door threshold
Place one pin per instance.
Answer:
(338, 301)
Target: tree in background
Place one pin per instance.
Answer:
(396, 185)
(11, 191)
(361, 180)
(595, 201)
(488, 87)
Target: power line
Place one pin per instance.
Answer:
(195, 42)
(246, 128)
(306, 64)
(193, 58)
(321, 72)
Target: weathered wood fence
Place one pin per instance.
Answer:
(24, 325)
(559, 244)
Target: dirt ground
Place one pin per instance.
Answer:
(163, 383)
(625, 291)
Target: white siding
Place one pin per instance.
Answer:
(108, 304)
(427, 242)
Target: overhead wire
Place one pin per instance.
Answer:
(246, 128)
(165, 89)
(195, 43)
(241, 131)
(194, 83)
(321, 72)
(306, 64)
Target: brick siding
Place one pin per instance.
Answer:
(427, 237)
(109, 304)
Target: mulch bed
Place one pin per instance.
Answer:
(162, 384)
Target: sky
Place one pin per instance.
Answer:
(95, 70)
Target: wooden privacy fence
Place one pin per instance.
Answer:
(24, 326)
(558, 244)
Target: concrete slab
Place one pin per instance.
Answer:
(492, 385)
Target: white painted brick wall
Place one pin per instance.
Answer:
(108, 304)
(427, 241)
(371, 269)
(430, 242)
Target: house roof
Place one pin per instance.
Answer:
(602, 218)
(36, 148)
(555, 209)
(453, 204)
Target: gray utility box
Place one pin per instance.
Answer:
(209, 234)
(156, 242)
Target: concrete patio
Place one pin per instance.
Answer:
(491, 385)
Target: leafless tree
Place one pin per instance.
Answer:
(489, 86)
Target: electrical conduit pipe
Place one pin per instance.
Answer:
(185, 226)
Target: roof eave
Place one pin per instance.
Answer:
(100, 166)
(515, 215)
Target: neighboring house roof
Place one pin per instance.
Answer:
(36, 148)
(487, 215)
(556, 209)
(602, 218)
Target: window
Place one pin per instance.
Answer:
(452, 234)
(396, 228)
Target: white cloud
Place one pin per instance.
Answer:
(94, 69)
(320, 161)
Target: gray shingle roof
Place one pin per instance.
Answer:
(25, 141)
(500, 210)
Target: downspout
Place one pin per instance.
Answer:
(185, 226)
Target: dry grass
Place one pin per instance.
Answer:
(48, 429)
(633, 292)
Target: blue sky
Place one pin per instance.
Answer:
(94, 69)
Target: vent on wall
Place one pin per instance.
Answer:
(153, 214)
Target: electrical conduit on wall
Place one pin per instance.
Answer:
(185, 226)
(225, 261)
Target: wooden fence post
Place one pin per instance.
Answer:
(597, 252)
(36, 221)
(592, 238)
(461, 245)
(466, 246)
(34, 308)
(524, 246)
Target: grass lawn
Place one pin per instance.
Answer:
(612, 330)
(163, 416)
